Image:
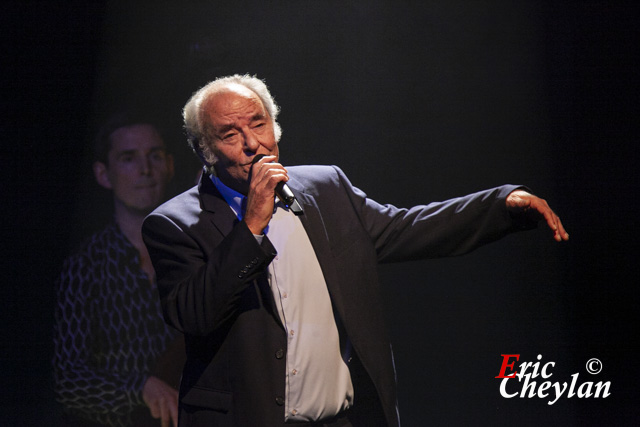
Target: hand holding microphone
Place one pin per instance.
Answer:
(266, 180)
(283, 192)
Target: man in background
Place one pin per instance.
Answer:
(115, 359)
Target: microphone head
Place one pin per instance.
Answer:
(257, 158)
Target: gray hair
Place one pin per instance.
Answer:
(196, 123)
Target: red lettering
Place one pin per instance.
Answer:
(506, 364)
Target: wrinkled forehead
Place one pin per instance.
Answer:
(237, 89)
(232, 97)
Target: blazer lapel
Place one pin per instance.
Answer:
(212, 201)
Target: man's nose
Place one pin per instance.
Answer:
(145, 165)
(251, 142)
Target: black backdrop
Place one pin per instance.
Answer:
(416, 101)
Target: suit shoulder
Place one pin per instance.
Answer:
(178, 203)
(181, 210)
(313, 176)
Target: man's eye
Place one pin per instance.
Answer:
(159, 156)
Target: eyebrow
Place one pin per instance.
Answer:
(225, 128)
(125, 153)
(133, 151)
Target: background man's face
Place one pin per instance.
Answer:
(138, 168)
(241, 128)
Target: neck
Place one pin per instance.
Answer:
(240, 186)
(130, 222)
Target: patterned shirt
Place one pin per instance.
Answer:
(108, 331)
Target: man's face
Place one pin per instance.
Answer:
(241, 128)
(138, 168)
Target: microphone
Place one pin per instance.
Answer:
(283, 192)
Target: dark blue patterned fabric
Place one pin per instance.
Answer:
(108, 330)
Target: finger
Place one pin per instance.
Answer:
(173, 409)
(266, 158)
(557, 236)
(271, 168)
(553, 221)
(549, 217)
(273, 176)
(556, 232)
(256, 165)
(165, 415)
(559, 233)
(263, 160)
(554, 224)
(265, 172)
(562, 233)
(270, 179)
(155, 411)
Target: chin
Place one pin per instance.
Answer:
(146, 205)
(147, 209)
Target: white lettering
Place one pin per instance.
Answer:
(529, 388)
(541, 391)
(573, 385)
(535, 367)
(587, 392)
(503, 389)
(544, 369)
(523, 368)
(600, 386)
(559, 392)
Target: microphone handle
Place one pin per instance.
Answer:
(284, 193)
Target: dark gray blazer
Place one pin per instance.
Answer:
(212, 281)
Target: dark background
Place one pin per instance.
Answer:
(415, 101)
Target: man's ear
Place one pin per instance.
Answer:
(100, 172)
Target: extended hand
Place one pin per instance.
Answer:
(521, 202)
(162, 400)
(265, 175)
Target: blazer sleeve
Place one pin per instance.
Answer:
(449, 228)
(201, 280)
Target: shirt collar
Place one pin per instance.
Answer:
(232, 197)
